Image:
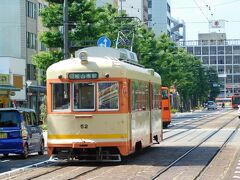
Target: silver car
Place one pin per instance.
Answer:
(211, 105)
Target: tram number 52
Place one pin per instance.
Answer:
(84, 126)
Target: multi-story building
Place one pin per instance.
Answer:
(137, 9)
(159, 16)
(223, 55)
(19, 29)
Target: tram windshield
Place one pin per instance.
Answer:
(61, 96)
(84, 95)
(165, 94)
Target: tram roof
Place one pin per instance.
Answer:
(102, 65)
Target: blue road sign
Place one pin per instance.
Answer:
(104, 42)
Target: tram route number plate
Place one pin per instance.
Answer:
(3, 135)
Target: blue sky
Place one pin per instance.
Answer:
(197, 13)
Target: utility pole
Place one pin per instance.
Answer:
(65, 29)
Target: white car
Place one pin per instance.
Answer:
(211, 105)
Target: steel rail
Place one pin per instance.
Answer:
(190, 150)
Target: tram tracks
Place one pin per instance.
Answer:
(66, 170)
(141, 165)
(194, 148)
(203, 120)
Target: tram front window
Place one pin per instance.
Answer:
(84, 95)
(108, 96)
(61, 96)
(164, 94)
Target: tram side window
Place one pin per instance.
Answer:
(156, 97)
(61, 96)
(108, 95)
(84, 95)
(140, 95)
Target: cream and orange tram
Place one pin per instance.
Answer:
(102, 105)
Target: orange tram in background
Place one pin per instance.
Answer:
(235, 101)
(166, 107)
(102, 106)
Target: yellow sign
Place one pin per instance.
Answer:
(4, 79)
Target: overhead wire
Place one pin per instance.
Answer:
(201, 10)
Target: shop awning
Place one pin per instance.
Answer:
(36, 89)
(9, 88)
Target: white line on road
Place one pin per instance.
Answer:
(5, 161)
(24, 168)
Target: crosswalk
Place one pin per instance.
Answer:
(236, 174)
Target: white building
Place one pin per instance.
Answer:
(19, 29)
(133, 8)
(159, 16)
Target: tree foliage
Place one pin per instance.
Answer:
(87, 23)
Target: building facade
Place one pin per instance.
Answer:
(19, 29)
(159, 16)
(218, 53)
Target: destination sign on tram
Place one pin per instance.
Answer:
(85, 75)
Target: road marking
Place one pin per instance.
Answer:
(237, 172)
(238, 167)
(236, 177)
(5, 160)
(24, 168)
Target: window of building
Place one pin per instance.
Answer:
(236, 69)
(108, 96)
(168, 8)
(228, 59)
(205, 59)
(213, 50)
(229, 69)
(220, 59)
(220, 49)
(190, 50)
(229, 79)
(220, 69)
(84, 96)
(228, 50)
(31, 9)
(236, 49)
(205, 50)
(31, 40)
(42, 47)
(236, 59)
(61, 96)
(31, 72)
(168, 21)
(150, 4)
(40, 7)
(197, 50)
(213, 60)
(149, 17)
(236, 78)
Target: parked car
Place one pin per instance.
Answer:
(20, 132)
(211, 105)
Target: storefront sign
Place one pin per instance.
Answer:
(4, 79)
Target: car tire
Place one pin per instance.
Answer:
(41, 152)
(25, 153)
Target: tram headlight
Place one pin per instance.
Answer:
(83, 56)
